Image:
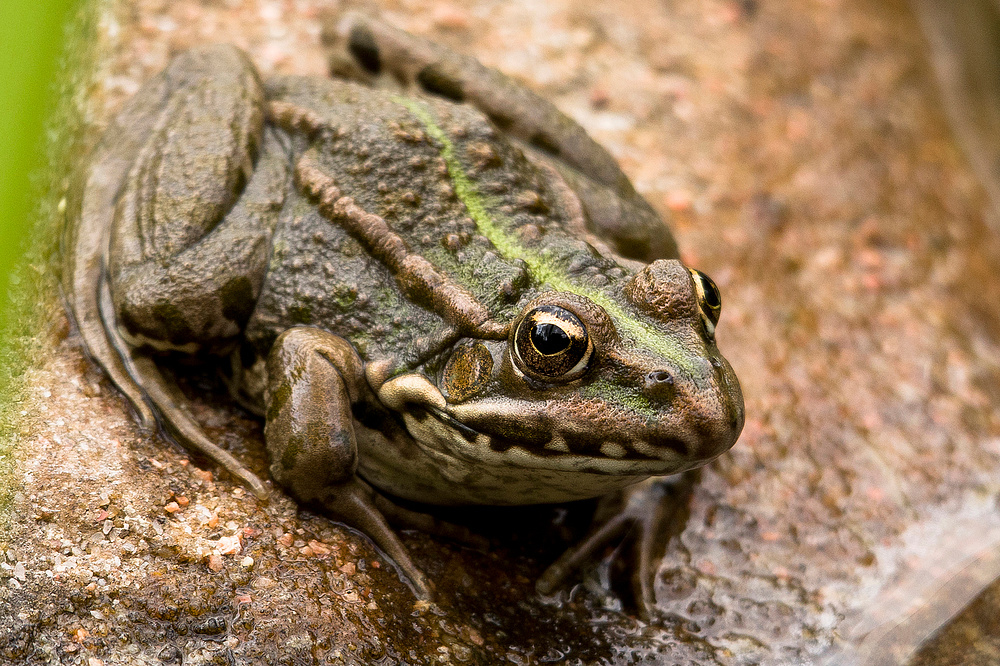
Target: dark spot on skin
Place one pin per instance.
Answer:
(379, 419)
(300, 314)
(672, 443)
(364, 49)
(502, 120)
(128, 321)
(465, 431)
(543, 141)
(543, 452)
(526, 433)
(436, 82)
(500, 445)
(293, 449)
(237, 299)
(171, 321)
(279, 396)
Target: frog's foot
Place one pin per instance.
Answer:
(174, 413)
(647, 515)
(313, 379)
(177, 421)
(614, 210)
(359, 506)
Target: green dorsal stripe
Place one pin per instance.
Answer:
(542, 271)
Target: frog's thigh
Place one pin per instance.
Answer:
(206, 292)
(173, 268)
(614, 210)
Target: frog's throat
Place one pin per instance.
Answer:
(541, 270)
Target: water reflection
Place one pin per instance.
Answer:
(938, 568)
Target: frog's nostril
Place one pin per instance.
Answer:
(660, 377)
(660, 384)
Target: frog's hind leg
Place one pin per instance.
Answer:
(95, 205)
(148, 383)
(90, 211)
(614, 210)
(190, 238)
(313, 378)
(180, 246)
(176, 419)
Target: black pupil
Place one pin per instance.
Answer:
(712, 296)
(549, 339)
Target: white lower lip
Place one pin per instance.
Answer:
(441, 440)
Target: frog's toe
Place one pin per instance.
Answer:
(175, 417)
(646, 515)
(354, 503)
(575, 557)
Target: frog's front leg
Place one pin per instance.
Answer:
(614, 210)
(313, 379)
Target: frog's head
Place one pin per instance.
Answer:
(623, 381)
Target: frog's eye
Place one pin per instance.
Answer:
(709, 300)
(551, 344)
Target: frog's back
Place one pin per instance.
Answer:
(446, 182)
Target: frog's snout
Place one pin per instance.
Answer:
(702, 416)
(719, 419)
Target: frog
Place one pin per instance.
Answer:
(433, 286)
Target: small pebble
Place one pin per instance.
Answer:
(215, 563)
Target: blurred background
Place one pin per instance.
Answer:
(31, 38)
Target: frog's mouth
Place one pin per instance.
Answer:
(494, 439)
(581, 437)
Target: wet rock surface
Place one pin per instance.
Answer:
(802, 153)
